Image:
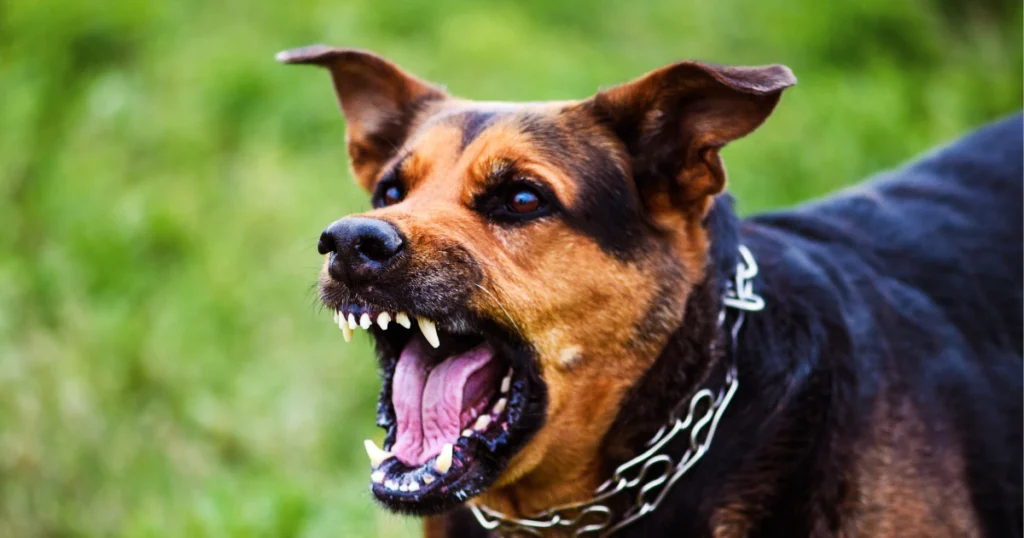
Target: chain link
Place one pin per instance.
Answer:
(649, 476)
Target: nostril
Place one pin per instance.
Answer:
(377, 248)
(325, 244)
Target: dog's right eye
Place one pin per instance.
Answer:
(524, 201)
(388, 193)
(393, 195)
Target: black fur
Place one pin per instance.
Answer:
(474, 123)
(907, 286)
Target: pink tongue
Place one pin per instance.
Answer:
(429, 404)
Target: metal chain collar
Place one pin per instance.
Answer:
(650, 475)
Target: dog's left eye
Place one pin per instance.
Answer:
(516, 202)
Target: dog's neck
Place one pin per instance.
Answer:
(688, 356)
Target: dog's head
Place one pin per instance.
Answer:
(523, 264)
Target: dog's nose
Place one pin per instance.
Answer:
(361, 247)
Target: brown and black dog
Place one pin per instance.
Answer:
(544, 284)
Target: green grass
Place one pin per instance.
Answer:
(164, 367)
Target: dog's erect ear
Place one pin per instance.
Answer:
(380, 102)
(675, 119)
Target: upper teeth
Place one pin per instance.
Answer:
(365, 321)
(429, 331)
(402, 319)
(345, 331)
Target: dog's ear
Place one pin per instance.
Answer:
(675, 119)
(380, 102)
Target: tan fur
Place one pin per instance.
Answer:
(911, 482)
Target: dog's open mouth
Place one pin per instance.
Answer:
(459, 398)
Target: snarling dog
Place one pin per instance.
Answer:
(567, 312)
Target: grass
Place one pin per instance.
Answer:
(164, 367)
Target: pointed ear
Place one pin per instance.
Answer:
(380, 102)
(675, 119)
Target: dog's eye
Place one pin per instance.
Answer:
(524, 201)
(516, 202)
(392, 195)
(388, 193)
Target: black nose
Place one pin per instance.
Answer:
(362, 247)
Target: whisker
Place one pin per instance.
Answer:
(509, 316)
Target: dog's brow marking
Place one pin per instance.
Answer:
(502, 307)
(474, 123)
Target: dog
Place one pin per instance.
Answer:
(578, 337)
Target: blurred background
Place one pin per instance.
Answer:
(165, 369)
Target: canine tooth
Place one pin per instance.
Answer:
(383, 319)
(376, 454)
(467, 432)
(415, 486)
(444, 459)
(343, 325)
(377, 477)
(500, 406)
(482, 422)
(428, 479)
(429, 331)
(352, 322)
(506, 383)
(365, 322)
(402, 319)
(336, 317)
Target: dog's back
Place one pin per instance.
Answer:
(924, 267)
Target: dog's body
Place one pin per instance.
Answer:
(584, 248)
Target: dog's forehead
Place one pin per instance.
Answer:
(462, 145)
